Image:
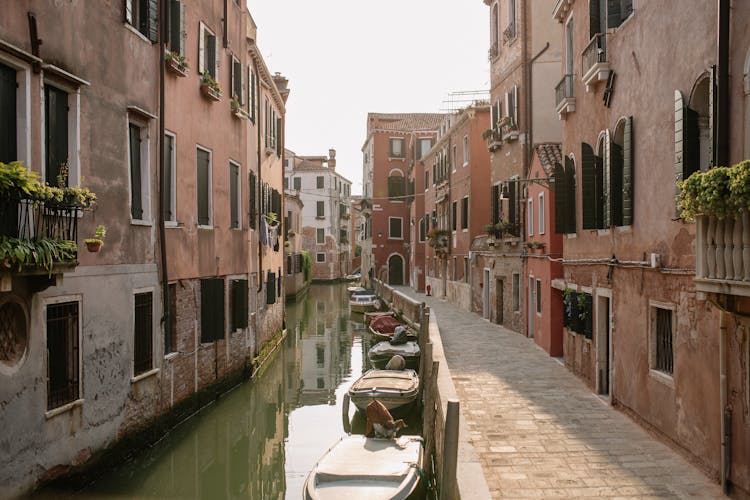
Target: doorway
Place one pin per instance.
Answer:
(532, 307)
(486, 294)
(395, 270)
(603, 343)
(499, 291)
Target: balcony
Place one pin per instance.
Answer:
(37, 237)
(723, 255)
(594, 61)
(565, 101)
(493, 138)
(508, 129)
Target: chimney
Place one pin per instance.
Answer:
(332, 159)
(282, 84)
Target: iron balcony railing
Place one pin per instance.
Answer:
(595, 52)
(564, 90)
(34, 220)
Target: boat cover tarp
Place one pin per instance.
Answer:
(384, 380)
(385, 324)
(411, 348)
(358, 457)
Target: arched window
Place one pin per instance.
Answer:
(396, 185)
(565, 197)
(621, 173)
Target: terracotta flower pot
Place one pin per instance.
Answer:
(94, 246)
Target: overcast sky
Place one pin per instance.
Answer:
(345, 58)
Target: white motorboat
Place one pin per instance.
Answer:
(396, 389)
(382, 352)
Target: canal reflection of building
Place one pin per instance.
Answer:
(320, 356)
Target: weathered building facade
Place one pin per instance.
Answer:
(524, 59)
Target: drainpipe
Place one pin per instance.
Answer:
(526, 91)
(721, 117)
(259, 198)
(166, 313)
(725, 411)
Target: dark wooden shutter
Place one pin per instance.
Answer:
(594, 18)
(605, 163)
(513, 209)
(588, 186)
(494, 208)
(153, 20)
(712, 118)
(239, 304)
(175, 25)
(627, 173)
(270, 288)
(203, 187)
(561, 194)
(278, 137)
(234, 209)
(212, 309)
(616, 183)
(136, 202)
(210, 51)
(613, 13)
(167, 202)
(626, 8)
(8, 145)
(570, 188)
(686, 141)
(252, 200)
(278, 283)
(56, 132)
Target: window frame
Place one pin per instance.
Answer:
(145, 170)
(237, 203)
(401, 226)
(465, 151)
(46, 302)
(23, 106)
(541, 216)
(317, 258)
(465, 213)
(320, 182)
(202, 51)
(654, 370)
(320, 209)
(530, 216)
(172, 221)
(73, 124)
(392, 152)
(319, 231)
(136, 375)
(209, 187)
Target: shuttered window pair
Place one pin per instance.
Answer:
(212, 309)
(143, 15)
(208, 56)
(396, 187)
(176, 33)
(396, 147)
(238, 81)
(138, 171)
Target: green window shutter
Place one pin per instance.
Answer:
(594, 18)
(570, 197)
(588, 186)
(234, 210)
(679, 143)
(252, 200)
(494, 209)
(136, 203)
(278, 137)
(605, 163)
(210, 63)
(203, 177)
(168, 148)
(270, 288)
(239, 304)
(183, 31)
(599, 191)
(153, 20)
(56, 132)
(616, 182)
(613, 13)
(561, 196)
(175, 26)
(627, 173)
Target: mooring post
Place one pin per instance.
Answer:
(345, 415)
(449, 487)
(425, 376)
(428, 415)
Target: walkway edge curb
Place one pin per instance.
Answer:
(471, 481)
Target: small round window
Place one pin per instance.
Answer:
(13, 333)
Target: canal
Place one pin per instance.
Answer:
(260, 440)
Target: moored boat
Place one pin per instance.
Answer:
(363, 303)
(394, 388)
(368, 468)
(382, 352)
(384, 327)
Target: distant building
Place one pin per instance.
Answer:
(394, 144)
(325, 230)
(294, 275)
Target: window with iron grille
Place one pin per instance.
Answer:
(516, 292)
(662, 355)
(212, 309)
(320, 355)
(143, 332)
(320, 257)
(239, 304)
(298, 263)
(62, 353)
(170, 335)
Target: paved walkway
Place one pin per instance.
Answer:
(540, 432)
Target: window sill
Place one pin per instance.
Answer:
(398, 158)
(170, 356)
(140, 35)
(171, 224)
(144, 375)
(140, 222)
(570, 236)
(661, 377)
(466, 164)
(63, 409)
(207, 228)
(396, 239)
(623, 229)
(602, 232)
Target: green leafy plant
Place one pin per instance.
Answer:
(271, 218)
(235, 103)
(207, 79)
(17, 253)
(178, 59)
(719, 192)
(99, 234)
(16, 181)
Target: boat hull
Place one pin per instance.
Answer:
(381, 353)
(396, 389)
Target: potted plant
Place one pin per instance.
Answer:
(272, 219)
(176, 63)
(95, 244)
(237, 110)
(210, 87)
(535, 245)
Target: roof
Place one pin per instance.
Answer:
(404, 122)
(549, 154)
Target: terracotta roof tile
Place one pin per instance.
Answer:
(549, 154)
(405, 122)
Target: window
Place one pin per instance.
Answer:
(320, 236)
(465, 212)
(297, 183)
(396, 147)
(203, 160)
(496, 112)
(422, 228)
(176, 32)
(143, 16)
(466, 269)
(569, 48)
(454, 157)
(56, 135)
(578, 308)
(594, 215)
(539, 296)
(170, 335)
(426, 180)
(252, 90)
(212, 309)
(424, 146)
(661, 355)
(466, 150)
(541, 213)
(620, 165)
(511, 105)
(320, 257)
(235, 203)
(138, 152)
(63, 336)
(208, 56)
(252, 201)
(396, 186)
(143, 333)
(565, 197)
(395, 228)
(8, 106)
(320, 355)
(239, 304)
(608, 14)
(271, 287)
(320, 182)
(454, 215)
(516, 292)
(510, 31)
(495, 31)
(237, 81)
(530, 216)
(320, 209)
(170, 152)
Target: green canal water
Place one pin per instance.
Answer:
(260, 440)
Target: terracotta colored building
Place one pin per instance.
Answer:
(524, 64)
(294, 277)
(542, 253)
(458, 196)
(651, 318)
(394, 144)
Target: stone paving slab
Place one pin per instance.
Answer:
(540, 432)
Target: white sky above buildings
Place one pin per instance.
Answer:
(345, 58)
